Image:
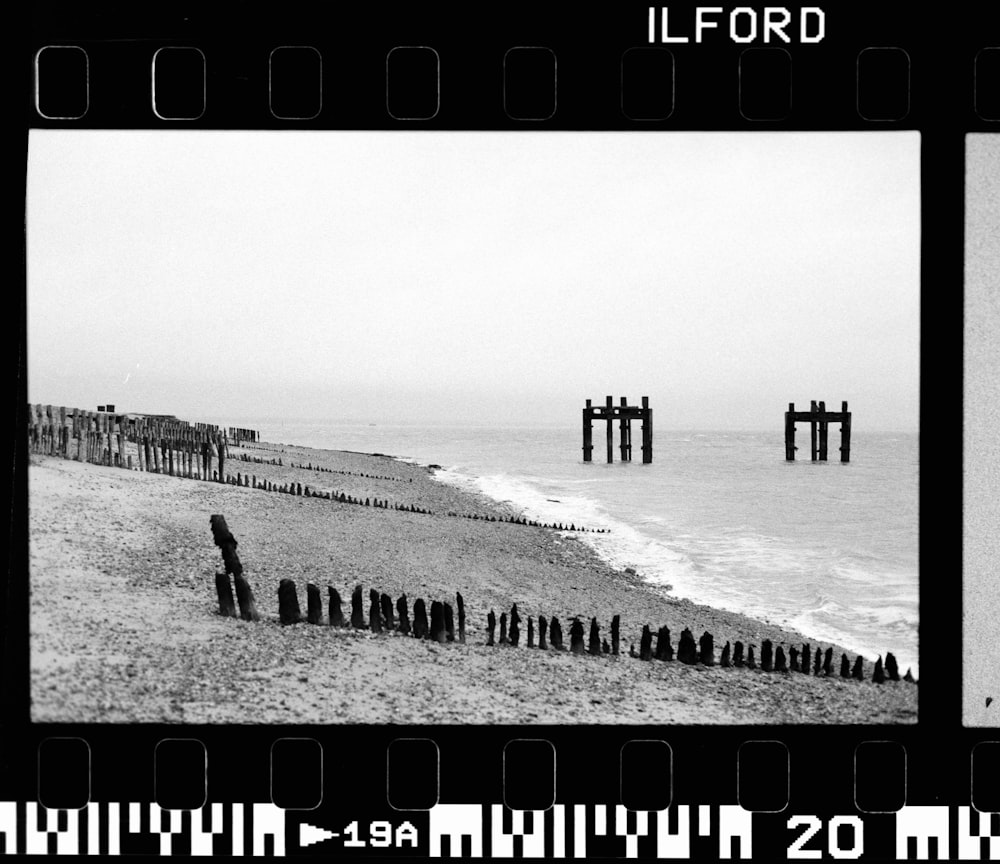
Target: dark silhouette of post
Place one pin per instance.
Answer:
(647, 432)
(588, 433)
(818, 419)
(609, 414)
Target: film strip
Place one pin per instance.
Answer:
(656, 789)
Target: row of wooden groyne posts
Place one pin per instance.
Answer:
(440, 626)
(181, 449)
(258, 460)
(164, 444)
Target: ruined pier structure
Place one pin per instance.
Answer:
(625, 413)
(818, 418)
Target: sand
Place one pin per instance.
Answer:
(125, 627)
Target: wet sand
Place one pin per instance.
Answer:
(125, 626)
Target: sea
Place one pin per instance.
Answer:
(719, 518)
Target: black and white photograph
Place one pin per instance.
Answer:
(357, 427)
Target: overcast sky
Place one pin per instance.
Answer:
(475, 277)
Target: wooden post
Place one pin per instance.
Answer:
(503, 628)
(738, 654)
(588, 433)
(779, 660)
(403, 614)
(724, 661)
(706, 649)
(766, 657)
(531, 632)
(515, 630)
(812, 432)
(438, 633)
(822, 433)
(542, 627)
(845, 666)
(374, 612)
(608, 409)
(686, 650)
(449, 622)
(845, 434)
(623, 431)
(420, 626)
(647, 431)
(594, 643)
(357, 609)
(461, 617)
(491, 626)
(288, 603)
(891, 667)
(336, 613)
(576, 636)
(387, 617)
(555, 633)
(615, 627)
(790, 433)
(224, 589)
(314, 604)
(646, 643)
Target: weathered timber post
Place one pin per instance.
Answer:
(724, 661)
(555, 633)
(793, 659)
(625, 432)
(814, 408)
(766, 658)
(387, 616)
(588, 433)
(615, 626)
(790, 433)
(531, 632)
(822, 433)
(806, 657)
(221, 451)
(449, 622)
(818, 661)
(542, 627)
(227, 545)
(779, 660)
(576, 636)
(515, 630)
(845, 666)
(647, 431)
(374, 612)
(646, 643)
(336, 613)
(751, 663)
(503, 628)
(403, 615)
(608, 411)
(878, 674)
(706, 646)
(288, 603)
(491, 626)
(227, 607)
(738, 655)
(686, 650)
(420, 626)
(461, 617)
(314, 604)
(594, 642)
(437, 622)
(845, 434)
(358, 609)
(858, 672)
(891, 667)
(828, 662)
(662, 644)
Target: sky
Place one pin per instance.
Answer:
(470, 278)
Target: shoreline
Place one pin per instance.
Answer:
(89, 525)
